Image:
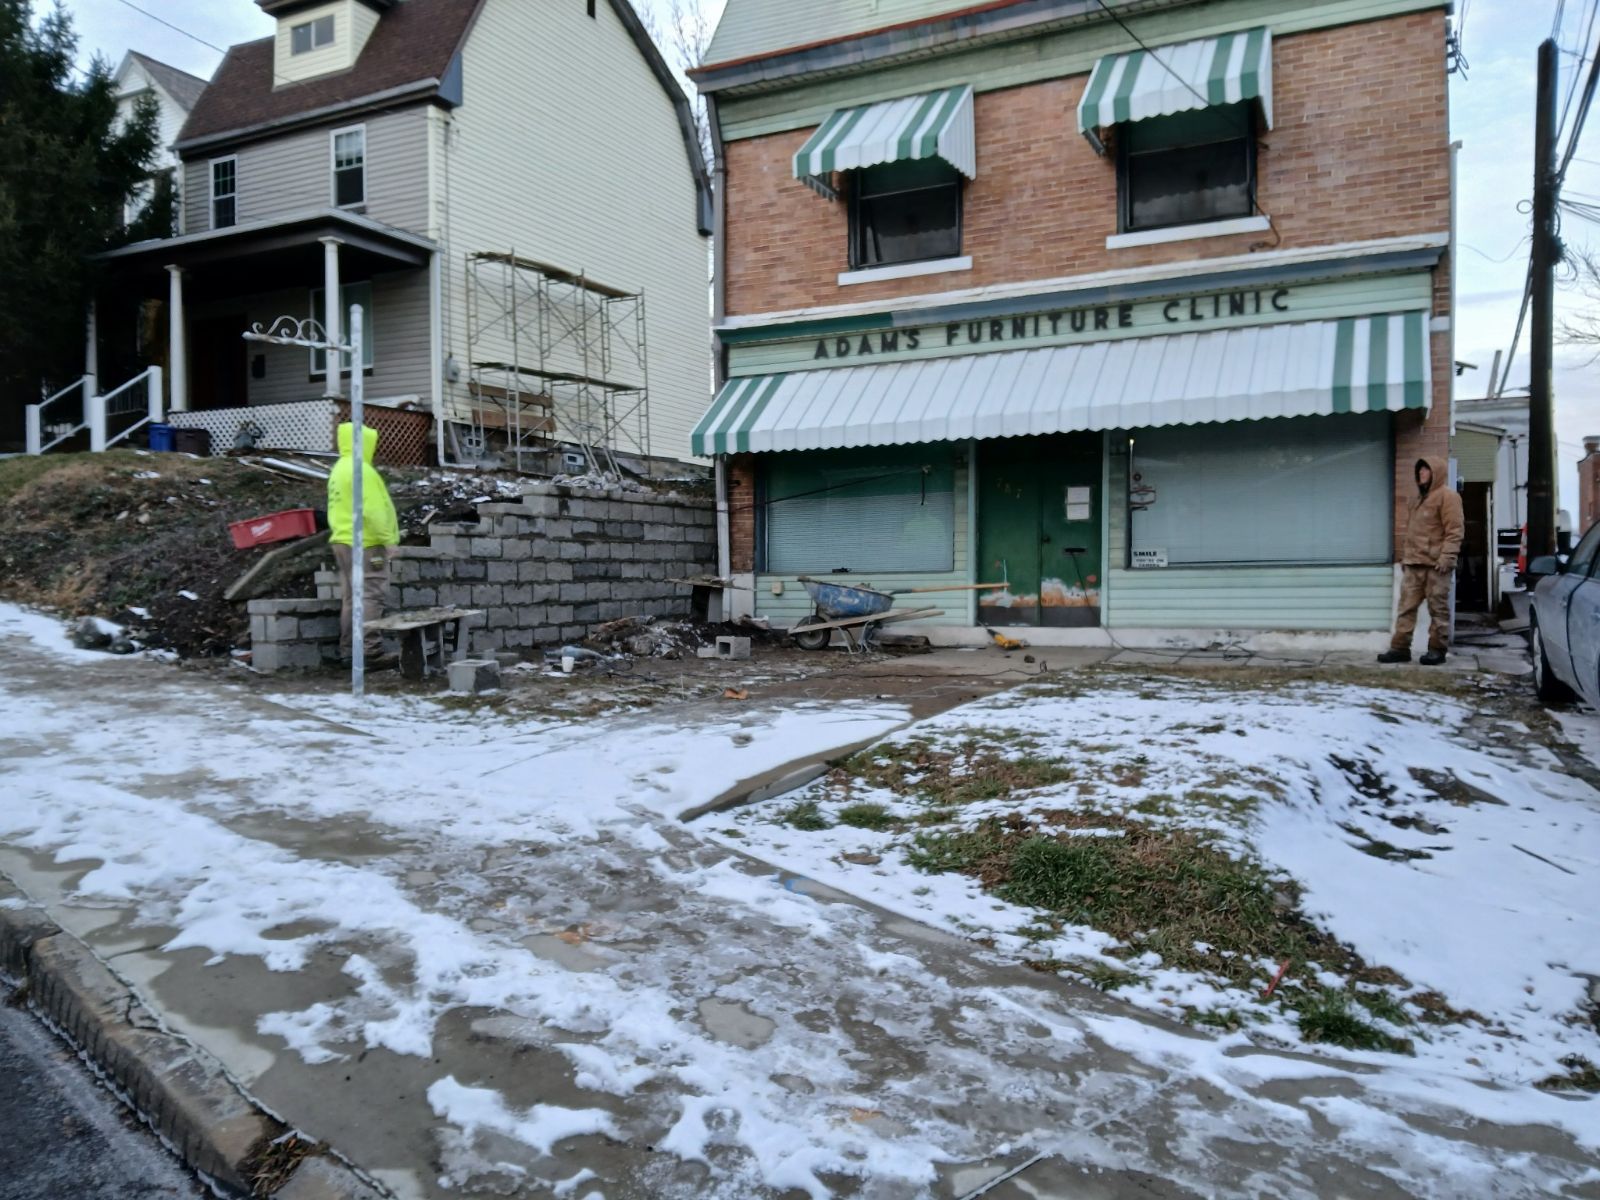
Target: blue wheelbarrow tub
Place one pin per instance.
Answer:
(837, 601)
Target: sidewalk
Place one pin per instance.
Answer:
(487, 959)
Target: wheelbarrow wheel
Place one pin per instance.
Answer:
(810, 639)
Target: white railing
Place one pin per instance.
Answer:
(65, 421)
(139, 398)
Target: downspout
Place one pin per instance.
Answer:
(719, 230)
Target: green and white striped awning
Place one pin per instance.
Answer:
(1178, 78)
(932, 125)
(1312, 368)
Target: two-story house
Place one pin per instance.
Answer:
(175, 94)
(1137, 312)
(496, 183)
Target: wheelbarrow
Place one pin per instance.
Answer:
(858, 611)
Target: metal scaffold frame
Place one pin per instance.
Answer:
(556, 358)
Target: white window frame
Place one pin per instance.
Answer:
(333, 166)
(211, 176)
(333, 34)
(359, 292)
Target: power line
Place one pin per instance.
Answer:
(195, 37)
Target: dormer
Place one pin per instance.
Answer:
(320, 37)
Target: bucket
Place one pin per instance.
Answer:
(162, 438)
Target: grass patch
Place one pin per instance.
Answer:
(1334, 1017)
(866, 816)
(979, 769)
(806, 816)
(1581, 1075)
(1228, 1020)
(1101, 976)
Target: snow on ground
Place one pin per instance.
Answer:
(1483, 894)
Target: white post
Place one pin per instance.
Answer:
(91, 350)
(35, 430)
(153, 396)
(94, 411)
(331, 388)
(358, 531)
(177, 342)
(436, 337)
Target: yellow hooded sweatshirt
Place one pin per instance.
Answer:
(381, 527)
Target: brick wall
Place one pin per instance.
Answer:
(742, 513)
(558, 561)
(1360, 151)
(1588, 494)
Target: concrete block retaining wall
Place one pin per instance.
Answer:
(548, 566)
(287, 635)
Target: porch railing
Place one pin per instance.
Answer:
(61, 416)
(119, 413)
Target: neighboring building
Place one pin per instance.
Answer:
(175, 93)
(457, 168)
(1589, 484)
(1475, 450)
(1144, 318)
(1510, 414)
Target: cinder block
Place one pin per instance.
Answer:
(319, 628)
(571, 593)
(267, 656)
(733, 647)
(516, 548)
(521, 593)
(558, 572)
(471, 570)
(485, 547)
(502, 572)
(486, 594)
(531, 571)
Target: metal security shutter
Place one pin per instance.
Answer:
(874, 512)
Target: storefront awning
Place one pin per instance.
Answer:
(1180, 78)
(1354, 365)
(932, 125)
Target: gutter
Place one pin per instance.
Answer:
(423, 89)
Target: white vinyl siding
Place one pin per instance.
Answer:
(353, 22)
(290, 174)
(601, 187)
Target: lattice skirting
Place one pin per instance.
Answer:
(403, 434)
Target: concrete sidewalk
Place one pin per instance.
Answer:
(667, 1019)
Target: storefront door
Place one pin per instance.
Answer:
(1039, 511)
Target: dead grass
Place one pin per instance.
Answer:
(978, 769)
(1581, 1075)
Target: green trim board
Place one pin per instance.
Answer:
(785, 105)
(815, 346)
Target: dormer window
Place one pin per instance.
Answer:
(312, 35)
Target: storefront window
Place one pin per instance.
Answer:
(905, 212)
(1267, 493)
(884, 510)
(1187, 169)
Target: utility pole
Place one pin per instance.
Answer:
(1546, 254)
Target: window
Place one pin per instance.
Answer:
(313, 35)
(1301, 490)
(224, 192)
(350, 166)
(350, 293)
(905, 212)
(1188, 169)
(862, 511)
(1582, 562)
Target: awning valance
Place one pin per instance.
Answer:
(1178, 78)
(1354, 365)
(932, 125)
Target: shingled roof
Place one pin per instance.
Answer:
(413, 43)
(183, 87)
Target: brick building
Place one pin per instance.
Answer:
(1142, 317)
(1588, 485)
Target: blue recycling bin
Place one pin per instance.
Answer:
(163, 437)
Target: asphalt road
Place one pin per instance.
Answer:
(65, 1137)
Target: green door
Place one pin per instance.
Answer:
(1039, 504)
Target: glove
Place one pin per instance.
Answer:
(1447, 566)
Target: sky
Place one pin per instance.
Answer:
(1492, 107)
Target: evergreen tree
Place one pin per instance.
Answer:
(66, 173)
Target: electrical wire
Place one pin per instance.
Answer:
(193, 37)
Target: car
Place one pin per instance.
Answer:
(1564, 622)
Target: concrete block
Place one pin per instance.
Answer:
(587, 613)
(471, 570)
(573, 633)
(558, 572)
(258, 629)
(501, 571)
(455, 595)
(433, 572)
(585, 529)
(531, 571)
(733, 647)
(419, 597)
(298, 607)
(267, 656)
(516, 548)
(599, 589)
(521, 593)
(485, 547)
(571, 593)
(314, 629)
(485, 595)
(541, 505)
(557, 529)
(546, 635)
(572, 550)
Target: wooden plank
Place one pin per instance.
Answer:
(242, 587)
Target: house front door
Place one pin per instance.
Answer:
(1039, 505)
(219, 363)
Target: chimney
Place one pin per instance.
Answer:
(1591, 445)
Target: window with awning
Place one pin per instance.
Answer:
(931, 125)
(1186, 77)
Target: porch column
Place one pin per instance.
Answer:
(332, 324)
(177, 342)
(91, 351)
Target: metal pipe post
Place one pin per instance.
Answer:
(358, 469)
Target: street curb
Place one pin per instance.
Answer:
(176, 1088)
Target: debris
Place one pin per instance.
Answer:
(1004, 642)
(188, 595)
(1283, 969)
(94, 633)
(243, 588)
(862, 859)
(736, 648)
(474, 676)
(735, 694)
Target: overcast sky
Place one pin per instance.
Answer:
(1492, 115)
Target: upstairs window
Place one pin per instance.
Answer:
(905, 212)
(350, 167)
(312, 35)
(1188, 169)
(224, 192)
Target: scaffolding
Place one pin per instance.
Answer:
(556, 360)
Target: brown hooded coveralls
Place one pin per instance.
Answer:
(1428, 559)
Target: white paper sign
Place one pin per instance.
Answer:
(1150, 558)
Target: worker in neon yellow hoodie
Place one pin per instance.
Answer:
(380, 531)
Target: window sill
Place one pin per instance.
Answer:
(1186, 233)
(935, 266)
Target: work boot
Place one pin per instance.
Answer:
(1395, 656)
(1432, 658)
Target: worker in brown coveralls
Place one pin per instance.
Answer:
(1427, 562)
